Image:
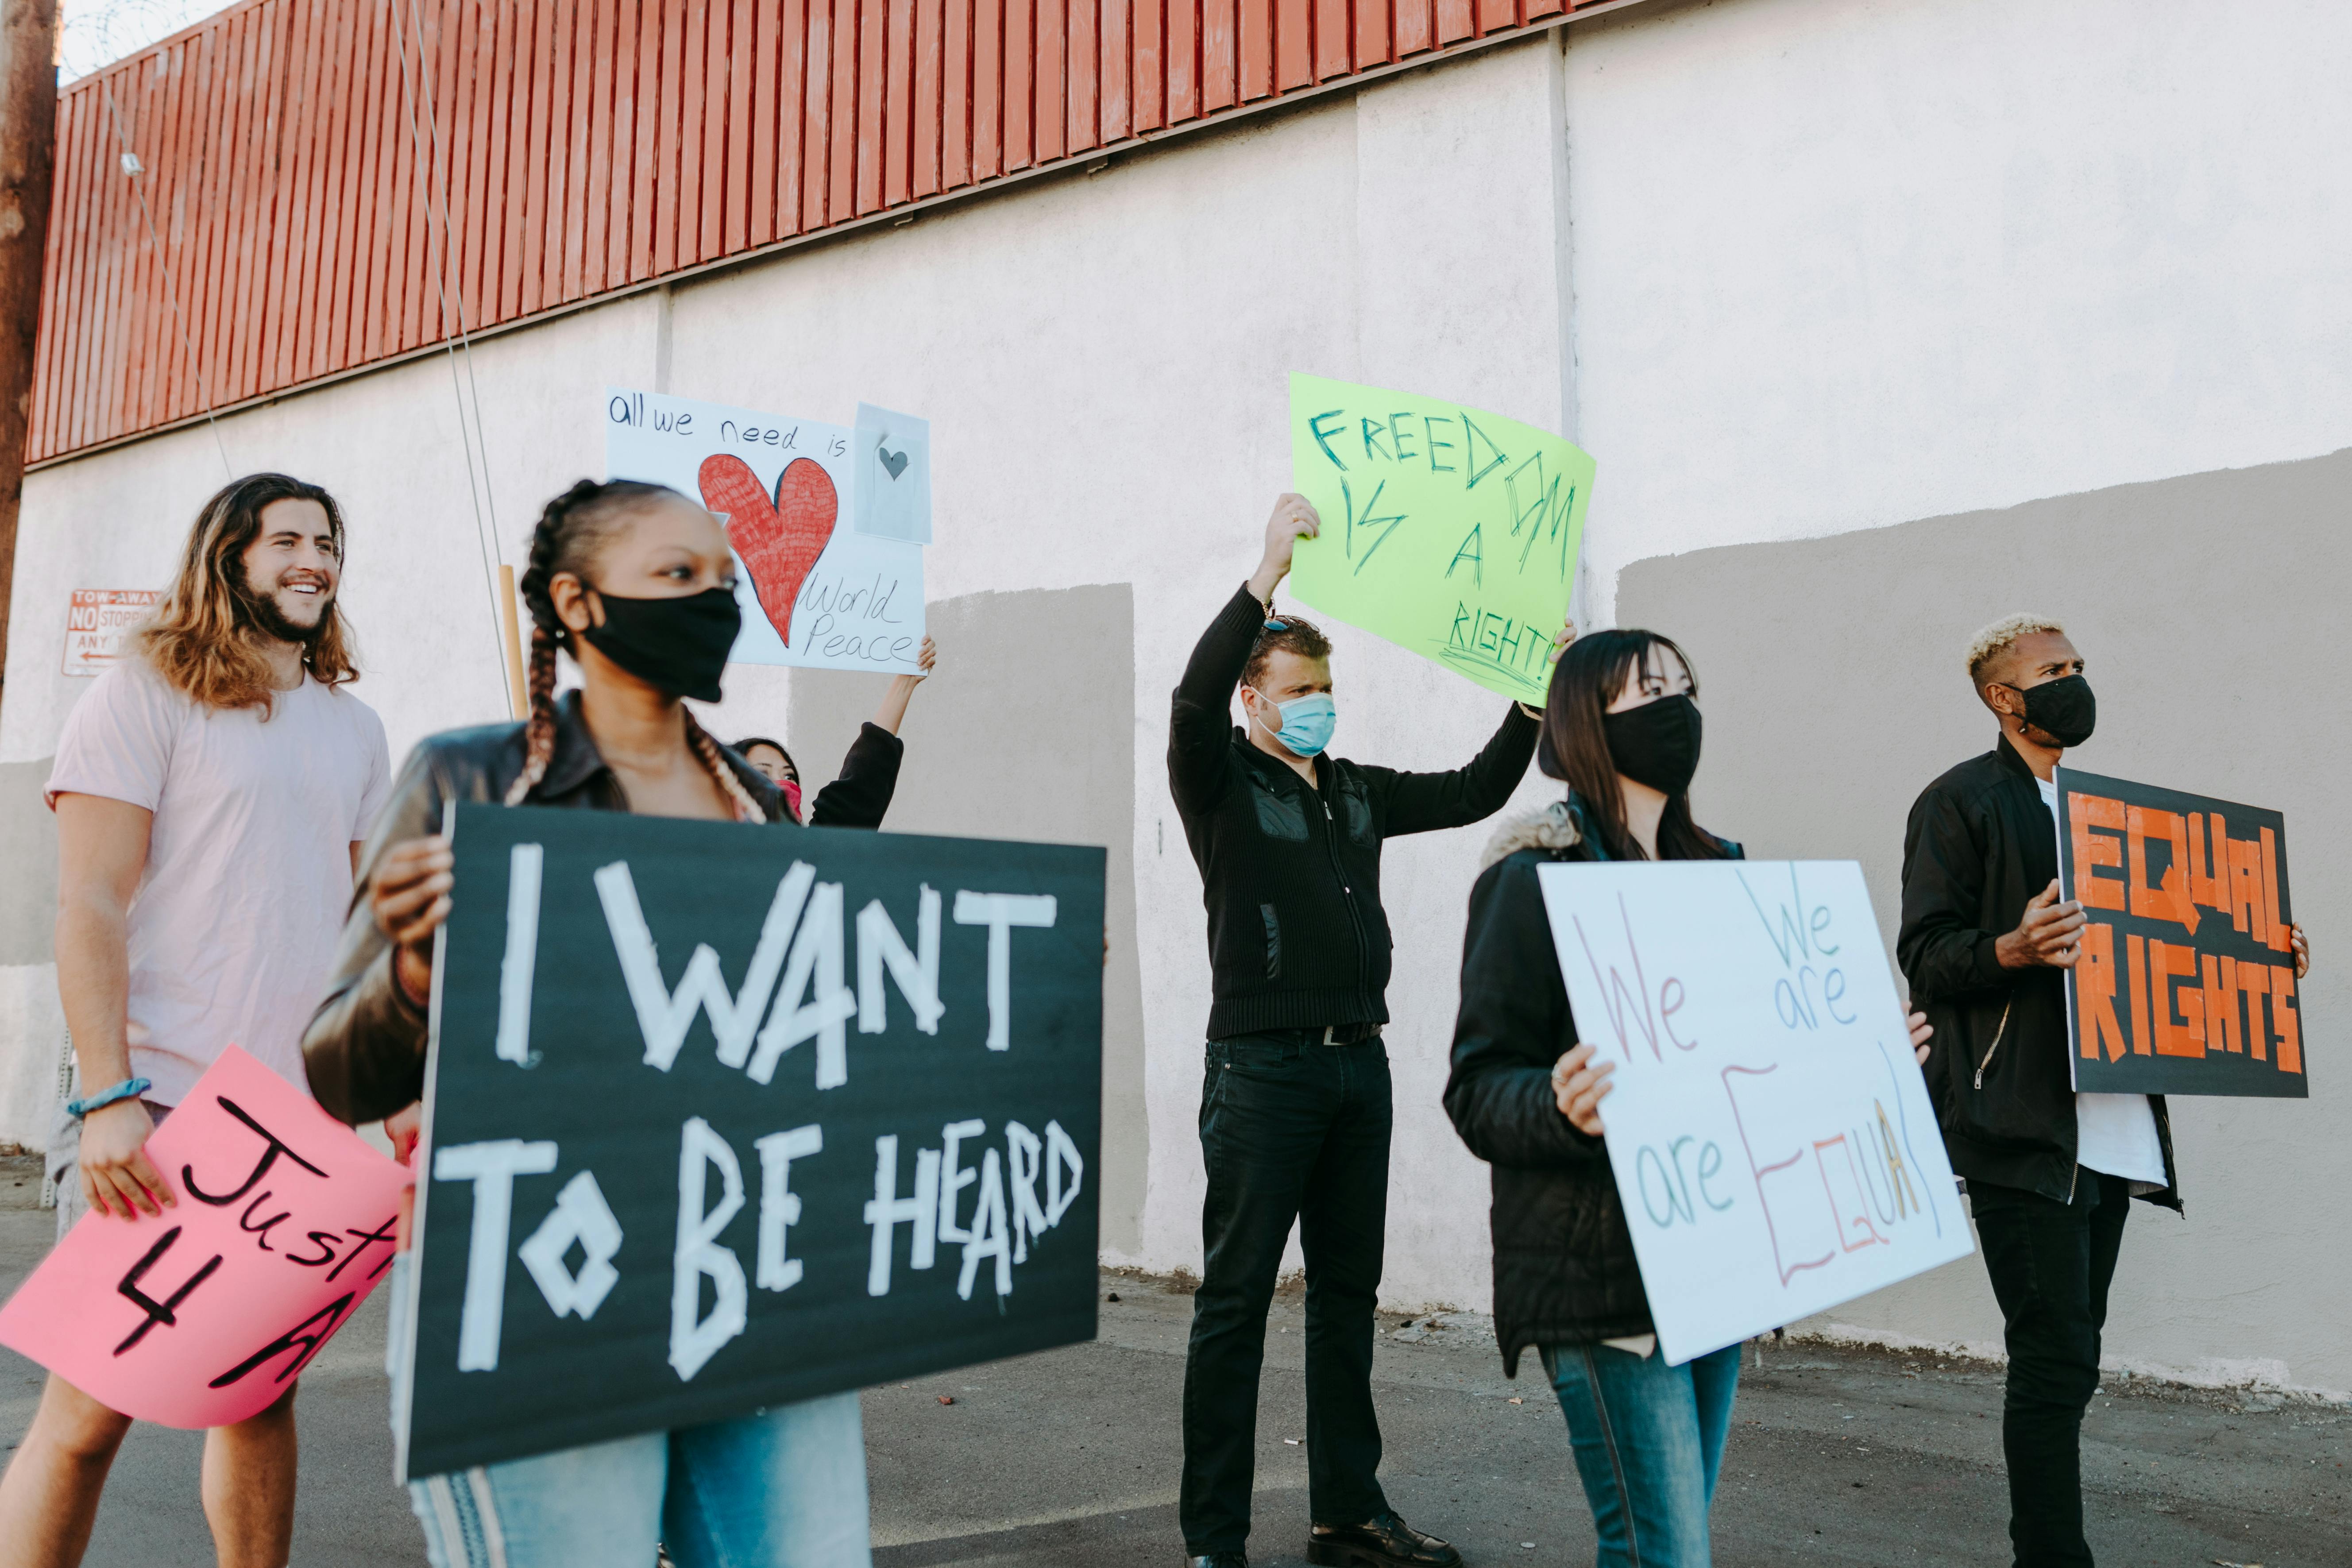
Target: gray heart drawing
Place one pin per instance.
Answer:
(894, 461)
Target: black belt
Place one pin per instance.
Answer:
(1334, 1034)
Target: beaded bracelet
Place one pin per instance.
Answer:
(128, 1089)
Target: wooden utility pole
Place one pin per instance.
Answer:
(28, 137)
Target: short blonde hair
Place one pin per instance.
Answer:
(1995, 640)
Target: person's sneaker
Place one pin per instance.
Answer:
(1219, 1560)
(1385, 1542)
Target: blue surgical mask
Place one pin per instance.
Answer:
(1307, 722)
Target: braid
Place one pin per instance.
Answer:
(548, 633)
(550, 547)
(706, 751)
(539, 730)
(569, 530)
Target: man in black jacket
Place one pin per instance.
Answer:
(2050, 1173)
(1295, 1112)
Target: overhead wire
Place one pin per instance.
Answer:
(478, 490)
(132, 170)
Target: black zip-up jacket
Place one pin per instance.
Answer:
(1565, 1272)
(1981, 844)
(364, 1050)
(1291, 876)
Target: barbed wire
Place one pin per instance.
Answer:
(95, 34)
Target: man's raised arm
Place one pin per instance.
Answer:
(1200, 717)
(1421, 802)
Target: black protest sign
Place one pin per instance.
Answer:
(723, 1117)
(2185, 982)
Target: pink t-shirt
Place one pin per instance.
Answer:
(233, 928)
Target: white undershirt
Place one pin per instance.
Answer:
(2115, 1133)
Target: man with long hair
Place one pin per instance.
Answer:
(212, 793)
(1296, 1112)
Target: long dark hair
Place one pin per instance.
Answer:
(200, 638)
(1574, 746)
(572, 532)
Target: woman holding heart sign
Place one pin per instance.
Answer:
(869, 775)
(637, 583)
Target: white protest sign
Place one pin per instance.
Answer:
(1769, 1131)
(815, 592)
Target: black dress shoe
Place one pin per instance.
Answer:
(1219, 1560)
(1386, 1542)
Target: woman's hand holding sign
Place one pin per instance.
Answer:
(1578, 1086)
(410, 896)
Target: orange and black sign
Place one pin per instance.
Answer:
(2186, 981)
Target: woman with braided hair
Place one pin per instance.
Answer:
(637, 583)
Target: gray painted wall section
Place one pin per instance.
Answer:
(28, 864)
(2210, 609)
(1027, 732)
(32, 1022)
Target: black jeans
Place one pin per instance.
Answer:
(1291, 1129)
(2051, 1264)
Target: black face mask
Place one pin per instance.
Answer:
(1656, 743)
(678, 645)
(2063, 709)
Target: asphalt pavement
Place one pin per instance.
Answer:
(1070, 1458)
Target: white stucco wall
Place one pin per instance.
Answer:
(1103, 360)
(1846, 263)
(1786, 267)
(1104, 363)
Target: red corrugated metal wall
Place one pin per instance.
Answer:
(295, 155)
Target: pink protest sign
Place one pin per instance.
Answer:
(201, 1316)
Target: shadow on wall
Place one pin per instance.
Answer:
(32, 1024)
(29, 849)
(1026, 732)
(2209, 609)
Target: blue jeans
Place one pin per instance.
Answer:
(784, 1488)
(1649, 1442)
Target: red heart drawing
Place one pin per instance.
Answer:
(780, 540)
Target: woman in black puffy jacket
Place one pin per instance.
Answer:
(1621, 729)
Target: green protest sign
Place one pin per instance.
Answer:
(1448, 531)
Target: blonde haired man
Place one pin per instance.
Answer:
(2050, 1173)
(211, 793)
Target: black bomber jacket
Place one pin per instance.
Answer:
(1979, 845)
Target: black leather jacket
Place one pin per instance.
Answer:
(364, 1050)
(1564, 1271)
